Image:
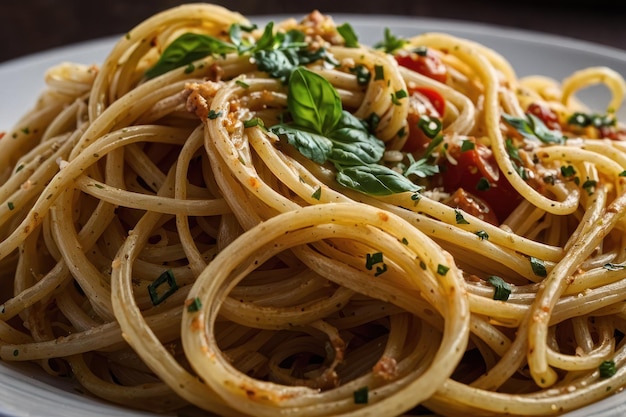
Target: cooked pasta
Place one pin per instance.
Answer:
(281, 221)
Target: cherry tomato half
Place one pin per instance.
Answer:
(425, 62)
(424, 104)
(476, 171)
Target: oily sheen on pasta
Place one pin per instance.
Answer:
(282, 221)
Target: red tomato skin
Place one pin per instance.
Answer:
(545, 114)
(417, 140)
(429, 65)
(471, 166)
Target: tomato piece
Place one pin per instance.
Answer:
(473, 205)
(434, 96)
(425, 62)
(476, 171)
(417, 140)
(423, 102)
(545, 114)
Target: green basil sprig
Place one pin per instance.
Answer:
(322, 131)
(531, 127)
(274, 53)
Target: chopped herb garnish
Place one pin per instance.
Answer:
(459, 217)
(213, 114)
(19, 168)
(166, 278)
(242, 84)
(502, 289)
(405, 241)
(380, 270)
(442, 269)
(11, 205)
(397, 96)
(373, 259)
(431, 126)
(16, 352)
(607, 369)
(363, 75)
(467, 145)
(622, 174)
(379, 72)
(483, 184)
(317, 194)
(538, 267)
(613, 267)
(482, 235)
(349, 36)
(568, 171)
(549, 179)
(390, 43)
(255, 121)
(595, 120)
(194, 305)
(361, 396)
(589, 186)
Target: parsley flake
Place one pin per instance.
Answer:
(607, 369)
(502, 289)
(459, 217)
(166, 278)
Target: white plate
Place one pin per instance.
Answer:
(25, 392)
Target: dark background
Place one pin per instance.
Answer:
(28, 26)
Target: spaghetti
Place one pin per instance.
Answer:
(282, 221)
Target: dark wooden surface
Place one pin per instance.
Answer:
(28, 26)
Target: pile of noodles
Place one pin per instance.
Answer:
(280, 291)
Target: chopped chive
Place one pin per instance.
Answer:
(538, 266)
(317, 194)
(483, 184)
(459, 217)
(502, 289)
(379, 72)
(214, 114)
(255, 121)
(361, 396)
(166, 277)
(467, 145)
(242, 84)
(373, 259)
(482, 235)
(11, 205)
(607, 369)
(194, 305)
(442, 269)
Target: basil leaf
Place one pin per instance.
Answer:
(353, 144)
(313, 102)
(374, 179)
(420, 168)
(279, 63)
(312, 145)
(349, 36)
(533, 128)
(390, 42)
(186, 49)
